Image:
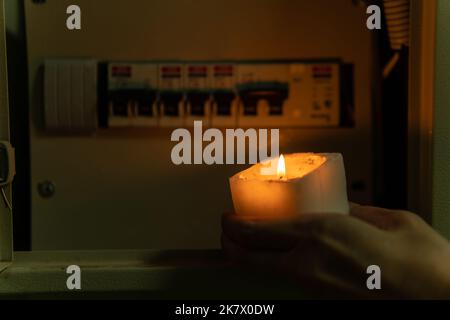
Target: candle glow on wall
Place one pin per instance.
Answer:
(303, 183)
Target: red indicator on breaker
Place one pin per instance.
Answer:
(171, 72)
(322, 71)
(223, 71)
(198, 71)
(121, 71)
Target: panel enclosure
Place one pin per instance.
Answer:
(118, 189)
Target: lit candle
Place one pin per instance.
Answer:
(303, 183)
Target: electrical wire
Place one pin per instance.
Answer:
(391, 65)
(397, 20)
(5, 198)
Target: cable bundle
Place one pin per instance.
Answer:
(397, 19)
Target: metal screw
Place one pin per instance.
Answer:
(46, 189)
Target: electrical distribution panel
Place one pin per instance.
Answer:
(249, 94)
(233, 94)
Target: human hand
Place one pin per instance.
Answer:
(331, 252)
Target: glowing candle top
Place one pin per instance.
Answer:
(289, 167)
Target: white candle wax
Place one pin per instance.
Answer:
(310, 183)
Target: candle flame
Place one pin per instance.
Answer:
(281, 171)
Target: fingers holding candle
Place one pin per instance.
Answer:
(264, 259)
(280, 232)
(257, 234)
(312, 248)
(300, 248)
(285, 233)
(333, 251)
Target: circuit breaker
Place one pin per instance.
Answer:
(225, 94)
(225, 102)
(198, 93)
(171, 102)
(132, 90)
(289, 95)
